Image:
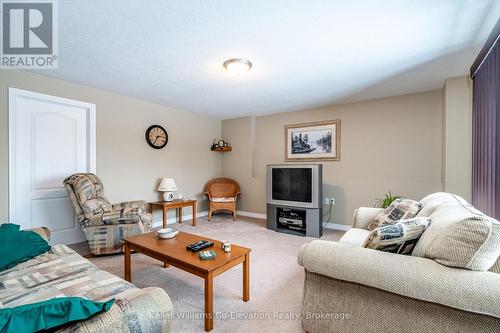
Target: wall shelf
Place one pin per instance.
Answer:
(223, 149)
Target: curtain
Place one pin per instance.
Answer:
(486, 135)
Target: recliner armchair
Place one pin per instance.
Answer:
(105, 225)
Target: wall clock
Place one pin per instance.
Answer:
(156, 136)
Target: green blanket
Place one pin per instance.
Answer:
(49, 314)
(19, 246)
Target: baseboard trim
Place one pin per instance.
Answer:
(332, 226)
(336, 226)
(250, 214)
(173, 220)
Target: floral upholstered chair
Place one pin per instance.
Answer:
(222, 195)
(105, 225)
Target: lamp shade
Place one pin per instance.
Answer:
(167, 184)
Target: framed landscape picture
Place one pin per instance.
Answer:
(318, 141)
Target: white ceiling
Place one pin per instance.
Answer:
(305, 53)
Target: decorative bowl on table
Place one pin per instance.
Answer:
(167, 233)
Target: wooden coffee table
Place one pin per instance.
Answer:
(173, 252)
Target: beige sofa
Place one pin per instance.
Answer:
(349, 288)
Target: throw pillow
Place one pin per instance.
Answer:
(19, 246)
(399, 209)
(399, 237)
(433, 201)
(461, 236)
(48, 314)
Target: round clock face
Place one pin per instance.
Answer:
(156, 136)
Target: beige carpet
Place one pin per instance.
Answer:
(275, 279)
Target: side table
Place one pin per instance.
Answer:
(177, 204)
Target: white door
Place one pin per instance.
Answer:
(50, 138)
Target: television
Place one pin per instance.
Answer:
(297, 185)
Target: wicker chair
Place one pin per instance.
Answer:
(222, 195)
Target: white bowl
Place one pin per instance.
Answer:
(167, 233)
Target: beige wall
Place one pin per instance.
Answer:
(457, 136)
(387, 144)
(128, 167)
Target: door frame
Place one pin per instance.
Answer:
(14, 93)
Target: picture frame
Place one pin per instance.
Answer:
(313, 142)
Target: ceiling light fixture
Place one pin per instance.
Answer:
(237, 66)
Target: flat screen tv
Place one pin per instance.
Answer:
(297, 185)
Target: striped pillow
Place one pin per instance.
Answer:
(399, 237)
(399, 209)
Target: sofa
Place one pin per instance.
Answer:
(349, 288)
(105, 225)
(62, 272)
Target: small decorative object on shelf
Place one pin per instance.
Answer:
(221, 146)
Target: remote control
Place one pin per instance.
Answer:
(195, 244)
(191, 246)
(203, 244)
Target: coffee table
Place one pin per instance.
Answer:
(173, 252)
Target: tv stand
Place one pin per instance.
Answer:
(293, 220)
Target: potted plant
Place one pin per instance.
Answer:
(386, 200)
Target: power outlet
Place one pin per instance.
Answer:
(329, 201)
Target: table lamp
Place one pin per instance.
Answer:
(167, 185)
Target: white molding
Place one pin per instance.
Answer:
(251, 214)
(336, 226)
(332, 226)
(92, 136)
(11, 145)
(173, 220)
